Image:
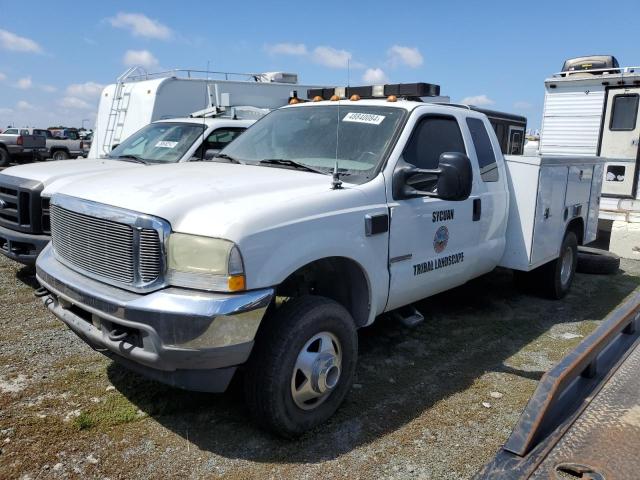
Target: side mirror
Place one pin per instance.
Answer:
(210, 153)
(453, 177)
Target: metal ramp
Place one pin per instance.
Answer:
(119, 107)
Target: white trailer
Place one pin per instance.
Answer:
(138, 98)
(591, 109)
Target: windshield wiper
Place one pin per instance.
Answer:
(290, 163)
(228, 157)
(135, 158)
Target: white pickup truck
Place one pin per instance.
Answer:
(323, 216)
(24, 204)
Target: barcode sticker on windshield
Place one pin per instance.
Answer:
(369, 118)
(166, 144)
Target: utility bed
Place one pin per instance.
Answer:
(546, 194)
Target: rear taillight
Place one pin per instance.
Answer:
(19, 140)
(81, 145)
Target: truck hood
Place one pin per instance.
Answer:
(215, 199)
(48, 172)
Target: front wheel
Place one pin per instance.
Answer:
(302, 365)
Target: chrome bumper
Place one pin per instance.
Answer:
(176, 333)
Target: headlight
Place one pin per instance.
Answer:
(204, 263)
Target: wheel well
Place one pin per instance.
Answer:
(338, 278)
(576, 226)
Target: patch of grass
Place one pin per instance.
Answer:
(84, 421)
(115, 410)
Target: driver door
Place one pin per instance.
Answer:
(432, 241)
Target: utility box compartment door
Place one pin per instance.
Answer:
(579, 185)
(548, 228)
(620, 141)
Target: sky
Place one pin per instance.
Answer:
(55, 60)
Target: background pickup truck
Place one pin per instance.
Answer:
(20, 144)
(24, 222)
(67, 145)
(318, 219)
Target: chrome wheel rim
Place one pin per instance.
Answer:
(317, 371)
(566, 266)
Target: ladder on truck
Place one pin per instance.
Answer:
(118, 111)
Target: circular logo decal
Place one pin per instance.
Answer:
(440, 239)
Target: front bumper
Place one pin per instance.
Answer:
(22, 247)
(186, 338)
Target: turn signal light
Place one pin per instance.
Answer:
(236, 283)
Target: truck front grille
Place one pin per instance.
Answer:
(20, 204)
(117, 252)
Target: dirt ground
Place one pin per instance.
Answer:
(431, 402)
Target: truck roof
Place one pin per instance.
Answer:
(208, 121)
(408, 105)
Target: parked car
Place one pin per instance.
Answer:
(318, 219)
(24, 227)
(66, 144)
(19, 145)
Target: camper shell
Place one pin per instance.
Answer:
(138, 98)
(591, 109)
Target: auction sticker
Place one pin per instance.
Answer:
(369, 118)
(166, 144)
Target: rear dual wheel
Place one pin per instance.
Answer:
(302, 365)
(553, 279)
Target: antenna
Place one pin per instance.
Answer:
(207, 100)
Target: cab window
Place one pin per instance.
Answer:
(432, 136)
(484, 151)
(11, 131)
(217, 140)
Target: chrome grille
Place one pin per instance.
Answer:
(150, 257)
(98, 246)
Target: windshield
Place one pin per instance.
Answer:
(163, 142)
(308, 135)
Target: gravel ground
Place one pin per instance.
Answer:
(431, 402)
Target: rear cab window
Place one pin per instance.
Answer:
(484, 150)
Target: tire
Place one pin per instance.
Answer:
(549, 280)
(555, 280)
(5, 159)
(60, 155)
(597, 261)
(272, 374)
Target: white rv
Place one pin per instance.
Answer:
(591, 108)
(139, 98)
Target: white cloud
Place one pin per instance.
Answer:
(2, 76)
(48, 88)
(15, 43)
(85, 90)
(331, 57)
(374, 76)
(141, 26)
(74, 103)
(522, 105)
(24, 105)
(409, 56)
(24, 83)
(286, 49)
(143, 58)
(477, 100)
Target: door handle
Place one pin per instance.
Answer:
(477, 209)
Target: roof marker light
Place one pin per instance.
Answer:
(317, 98)
(355, 97)
(294, 100)
(335, 98)
(392, 98)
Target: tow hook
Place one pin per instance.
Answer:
(41, 292)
